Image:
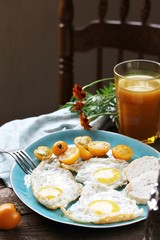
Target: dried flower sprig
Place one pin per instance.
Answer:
(90, 106)
(80, 95)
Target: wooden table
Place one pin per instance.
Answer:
(34, 226)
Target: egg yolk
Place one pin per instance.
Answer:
(104, 206)
(107, 175)
(49, 192)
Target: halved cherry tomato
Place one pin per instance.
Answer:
(84, 153)
(9, 216)
(82, 141)
(122, 151)
(59, 147)
(43, 153)
(98, 148)
(70, 156)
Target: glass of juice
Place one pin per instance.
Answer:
(138, 98)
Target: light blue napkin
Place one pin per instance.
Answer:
(18, 134)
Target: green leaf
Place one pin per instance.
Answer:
(103, 102)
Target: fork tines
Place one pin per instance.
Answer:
(24, 161)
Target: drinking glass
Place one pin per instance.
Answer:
(138, 98)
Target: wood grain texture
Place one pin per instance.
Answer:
(140, 37)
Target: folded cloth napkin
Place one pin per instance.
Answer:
(18, 134)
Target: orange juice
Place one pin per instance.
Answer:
(138, 101)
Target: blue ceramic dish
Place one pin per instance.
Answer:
(25, 193)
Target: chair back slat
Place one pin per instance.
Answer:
(124, 9)
(145, 11)
(102, 10)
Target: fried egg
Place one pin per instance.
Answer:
(99, 204)
(106, 171)
(54, 186)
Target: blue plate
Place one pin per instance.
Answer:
(25, 193)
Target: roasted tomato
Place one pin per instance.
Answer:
(82, 141)
(70, 156)
(43, 153)
(9, 216)
(84, 153)
(98, 148)
(122, 151)
(59, 147)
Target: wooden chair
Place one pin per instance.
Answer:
(140, 37)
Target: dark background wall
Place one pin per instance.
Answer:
(28, 58)
(28, 53)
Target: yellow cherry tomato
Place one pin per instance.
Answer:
(70, 156)
(43, 153)
(9, 216)
(82, 141)
(84, 153)
(122, 151)
(98, 148)
(59, 147)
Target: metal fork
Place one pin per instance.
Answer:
(23, 160)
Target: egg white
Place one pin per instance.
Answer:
(99, 204)
(54, 186)
(106, 171)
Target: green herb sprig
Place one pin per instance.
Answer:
(103, 102)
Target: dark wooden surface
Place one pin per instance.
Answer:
(34, 226)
